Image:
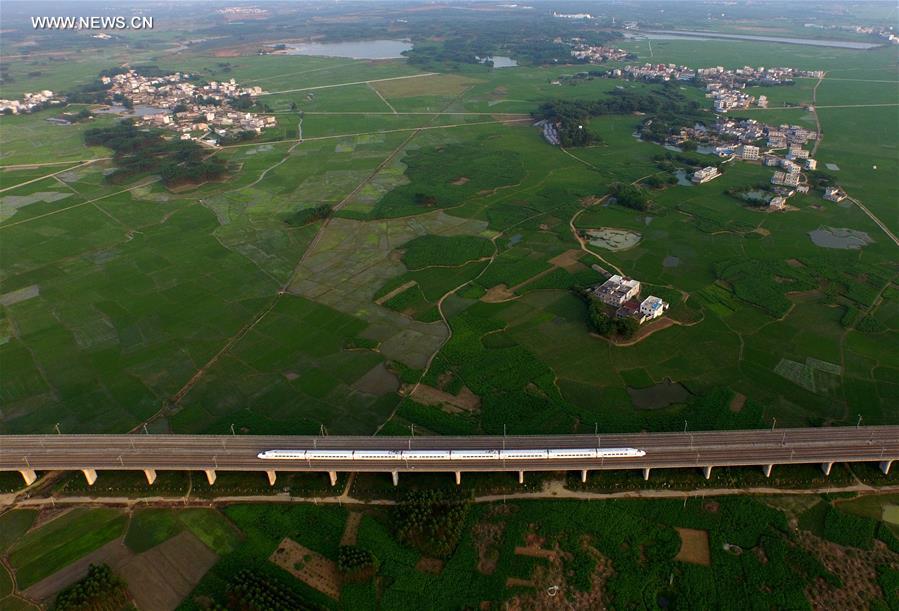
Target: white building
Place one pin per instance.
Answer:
(617, 290)
(811, 164)
(748, 152)
(653, 307)
(777, 203)
(705, 174)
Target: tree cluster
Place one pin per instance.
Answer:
(252, 591)
(356, 563)
(137, 151)
(304, 216)
(629, 196)
(431, 521)
(669, 108)
(607, 325)
(100, 589)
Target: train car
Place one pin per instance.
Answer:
(620, 453)
(572, 453)
(282, 455)
(377, 455)
(474, 454)
(426, 455)
(524, 454)
(329, 455)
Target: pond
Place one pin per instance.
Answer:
(840, 238)
(499, 61)
(614, 239)
(682, 179)
(361, 49)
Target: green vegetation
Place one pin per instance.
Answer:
(304, 216)
(149, 527)
(99, 589)
(252, 591)
(43, 551)
(431, 250)
(355, 563)
(431, 521)
(139, 151)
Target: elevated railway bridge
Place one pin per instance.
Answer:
(701, 450)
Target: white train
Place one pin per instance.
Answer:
(438, 455)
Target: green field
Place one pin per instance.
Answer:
(43, 551)
(197, 309)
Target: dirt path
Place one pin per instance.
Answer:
(552, 490)
(815, 112)
(582, 243)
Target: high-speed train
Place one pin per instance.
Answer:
(426, 455)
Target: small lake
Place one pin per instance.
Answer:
(682, 179)
(499, 61)
(687, 35)
(840, 238)
(362, 49)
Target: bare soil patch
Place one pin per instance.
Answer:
(737, 403)
(387, 297)
(498, 294)
(487, 536)
(856, 568)
(429, 565)
(465, 401)
(517, 582)
(311, 568)
(694, 546)
(569, 260)
(163, 576)
(351, 528)
(535, 552)
(460, 181)
(795, 263)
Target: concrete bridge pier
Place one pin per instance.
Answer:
(646, 471)
(396, 477)
(90, 475)
(707, 471)
(271, 477)
(332, 475)
(767, 470)
(28, 475)
(151, 476)
(210, 475)
(521, 477)
(458, 478)
(885, 466)
(583, 476)
(826, 467)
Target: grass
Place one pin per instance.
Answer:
(45, 550)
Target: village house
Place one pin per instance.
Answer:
(652, 307)
(834, 194)
(705, 174)
(777, 203)
(748, 152)
(617, 290)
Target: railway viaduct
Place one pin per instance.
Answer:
(703, 450)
